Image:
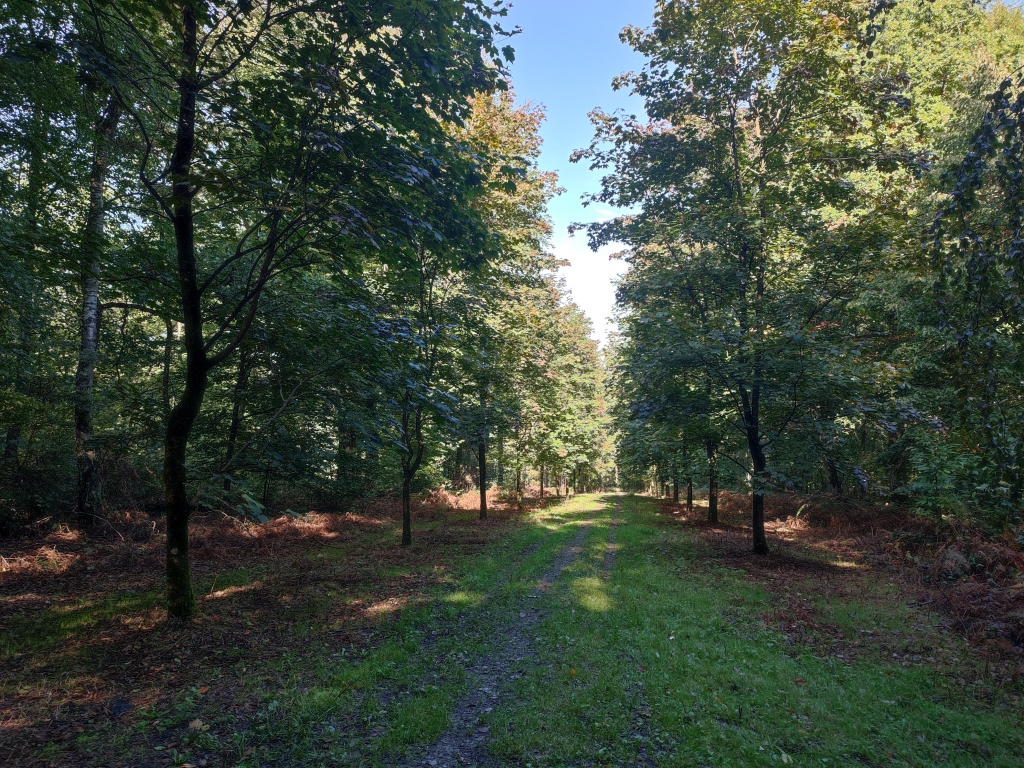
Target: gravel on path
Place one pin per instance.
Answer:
(465, 741)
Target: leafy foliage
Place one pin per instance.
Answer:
(777, 305)
(309, 232)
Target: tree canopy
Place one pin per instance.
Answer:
(271, 253)
(805, 174)
(264, 256)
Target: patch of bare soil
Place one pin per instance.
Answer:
(85, 648)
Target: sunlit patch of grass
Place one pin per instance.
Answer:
(464, 597)
(590, 594)
(683, 670)
(47, 628)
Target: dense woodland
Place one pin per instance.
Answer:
(264, 255)
(259, 255)
(824, 241)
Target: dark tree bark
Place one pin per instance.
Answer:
(278, 236)
(835, 482)
(414, 408)
(542, 481)
(483, 478)
(236, 414)
(168, 348)
(412, 457)
(760, 463)
(406, 509)
(751, 411)
(760, 541)
(90, 488)
(675, 490)
(181, 603)
(712, 450)
(689, 496)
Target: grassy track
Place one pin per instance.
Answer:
(670, 664)
(655, 656)
(397, 695)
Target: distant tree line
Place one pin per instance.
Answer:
(825, 253)
(269, 252)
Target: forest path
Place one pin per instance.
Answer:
(466, 740)
(595, 632)
(644, 644)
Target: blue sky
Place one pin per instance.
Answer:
(566, 57)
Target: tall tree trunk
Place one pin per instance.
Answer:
(236, 414)
(483, 478)
(90, 489)
(760, 463)
(406, 509)
(834, 481)
(675, 490)
(168, 348)
(712, 450)
(542, 481)
(689, 495)
(412, 442)
(407, 475)
(519, 488)
(181, 603)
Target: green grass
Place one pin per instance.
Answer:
(370, 707)
(669, 656)
(47, 628)
(679, 663)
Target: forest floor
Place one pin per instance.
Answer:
(602, 631)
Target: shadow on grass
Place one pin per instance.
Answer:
(86, 657)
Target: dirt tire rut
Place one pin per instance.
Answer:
(465, 742)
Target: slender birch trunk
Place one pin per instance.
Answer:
(90, 488)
